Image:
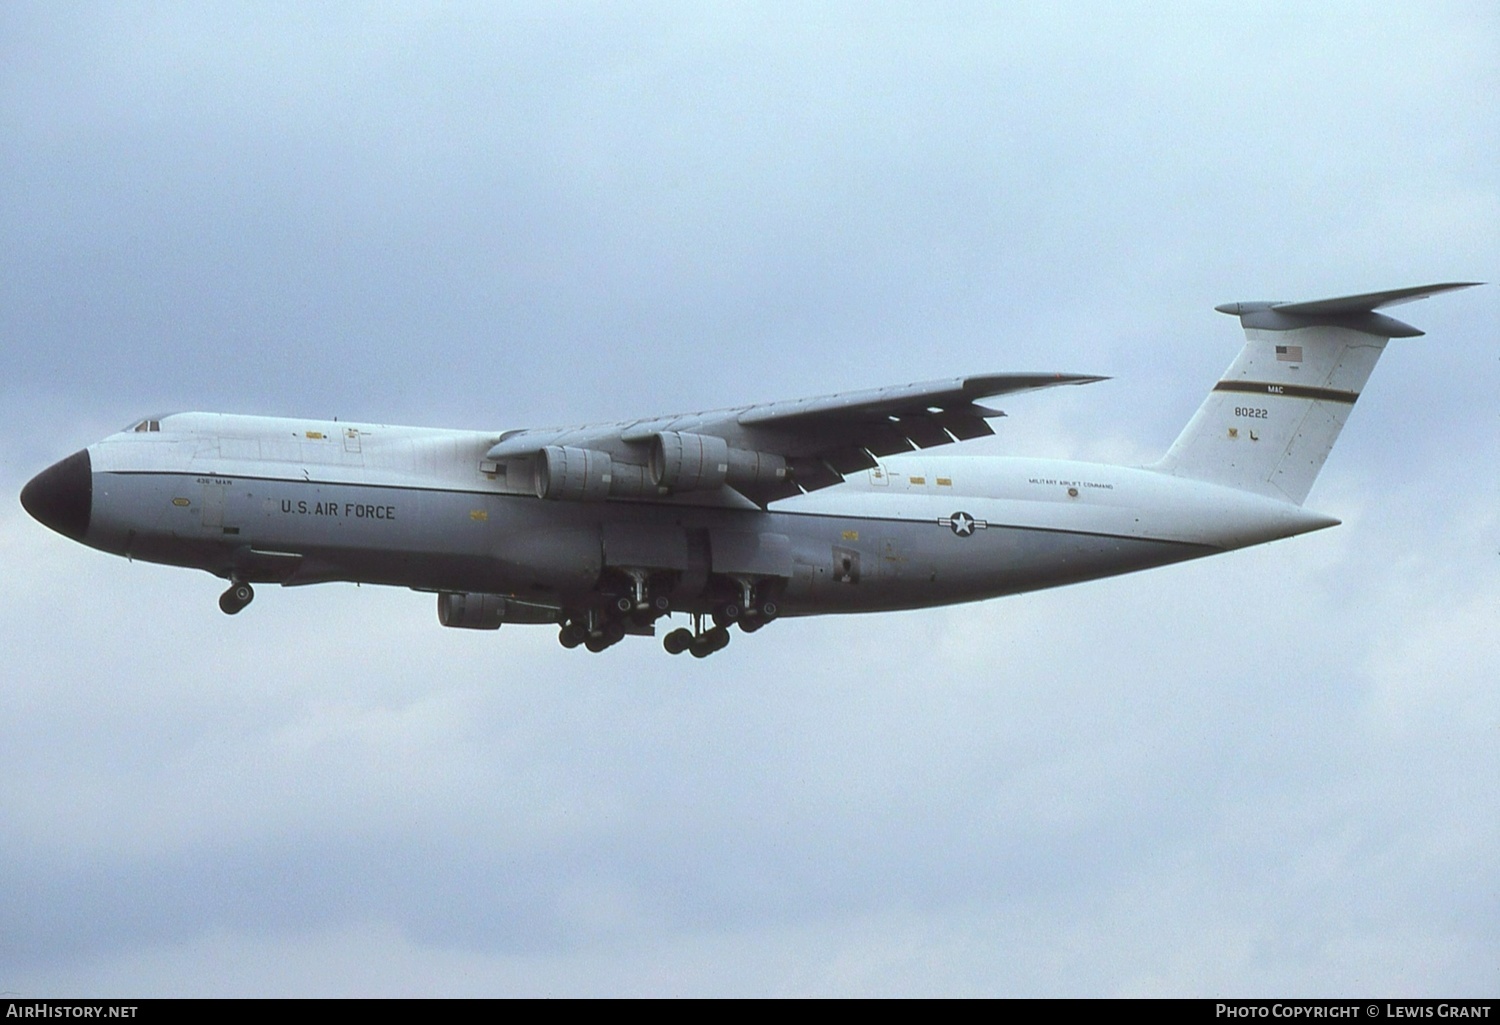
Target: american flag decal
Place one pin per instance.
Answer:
(1289, 353)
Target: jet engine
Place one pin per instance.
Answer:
(583, 474)
(469, 611)
(700, 462)
(564, 472)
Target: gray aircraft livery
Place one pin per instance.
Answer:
(735, 516)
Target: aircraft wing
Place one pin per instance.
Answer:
(765, 452)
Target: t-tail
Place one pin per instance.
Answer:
(1269, 423)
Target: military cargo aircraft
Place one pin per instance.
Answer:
(734, 517)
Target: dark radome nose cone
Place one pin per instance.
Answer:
(62, 495)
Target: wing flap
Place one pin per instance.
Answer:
(887, 440)
(812, 474)
(849, 460)
(965, 426)
(922, 431)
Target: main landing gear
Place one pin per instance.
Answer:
(600, 628)
(592, 630)
(640, 604)
(750, 612)
(232, 601)
(702, 643)
(634, 611)
(637, 609)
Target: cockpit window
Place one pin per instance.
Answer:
(147, 426)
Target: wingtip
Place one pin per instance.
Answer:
(979, 385)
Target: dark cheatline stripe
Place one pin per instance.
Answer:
(1291, 391)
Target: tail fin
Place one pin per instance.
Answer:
(1269, 424)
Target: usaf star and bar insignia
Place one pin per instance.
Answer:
(962, 524)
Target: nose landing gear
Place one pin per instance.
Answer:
(234, 600)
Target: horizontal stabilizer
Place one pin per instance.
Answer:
(1356, 312)
(1370, 300)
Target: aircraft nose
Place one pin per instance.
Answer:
(62, 495)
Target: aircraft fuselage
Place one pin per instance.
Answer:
(302, 501)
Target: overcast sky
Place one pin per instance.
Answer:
(1270, 772)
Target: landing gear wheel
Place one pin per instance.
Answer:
(710, 641)
(234, 600)
(678, 641)
(570, 636)
(595, 644)
(757, 616)
(726, 615)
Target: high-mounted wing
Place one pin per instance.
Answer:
(764, 452)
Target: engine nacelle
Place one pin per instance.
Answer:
(700, 462)
(567, 473)
(583, 474)
(689, 462)
(755, 469)
(471, 611)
